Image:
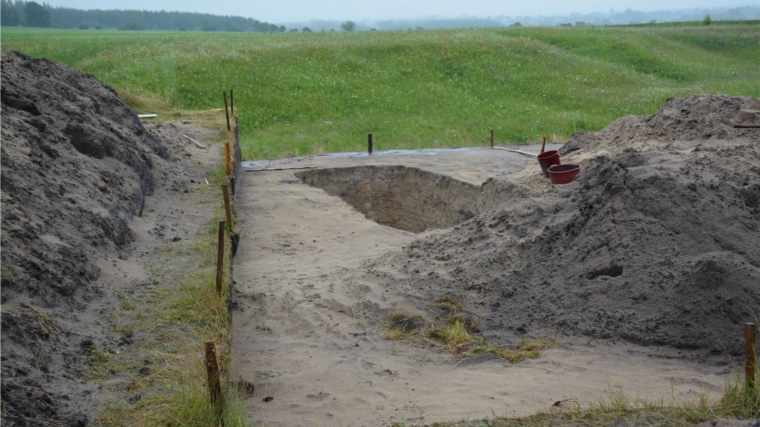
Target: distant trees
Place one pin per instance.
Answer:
(348, 26)
(37, 15)
(707, 20)
(229, 27)
(130, 26)
(306, 30)
(9, 16)
(516, 24)
(32, 13)
(207, 26)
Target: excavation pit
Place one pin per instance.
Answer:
(401, 197)
(316, 282)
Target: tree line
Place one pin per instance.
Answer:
(33, 14)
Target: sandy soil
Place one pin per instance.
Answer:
(308, 318)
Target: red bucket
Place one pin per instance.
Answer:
(548, 159)
(564, 174)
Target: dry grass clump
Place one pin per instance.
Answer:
(447, 303)
(456, 333)
(402, 325)
(525, 349)
(453, 330)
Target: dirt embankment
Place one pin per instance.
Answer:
(656, 243)
(77, 165)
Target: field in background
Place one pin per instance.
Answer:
(301, 93)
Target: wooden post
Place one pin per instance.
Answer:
(543, 143)
(491, 137)
(227, 161)
(369, 143)
(220, 260)
(750, 359)
(232, 102)
(212, 377)
(227, 210)
(226, 112)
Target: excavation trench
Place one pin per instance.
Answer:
(401, 197)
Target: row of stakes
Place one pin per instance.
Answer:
(212, 367)
(369, 135)
(213, 377)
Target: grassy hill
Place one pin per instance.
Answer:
(301, 93)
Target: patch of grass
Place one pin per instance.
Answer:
(454, 331)
(402, 325)
(456, 334)
(525, 349)
(307, 93)
(447, 304)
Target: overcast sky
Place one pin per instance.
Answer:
(304, 10)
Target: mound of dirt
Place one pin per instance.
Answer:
(696, 118)
(76, 167)
(655, 243)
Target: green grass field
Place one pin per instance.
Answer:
(300, 93)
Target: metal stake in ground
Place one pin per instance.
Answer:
(220, 259)
(227, 209)
(212, 377)
(369, 143)
(226, 112)
(750, 359)
(491, 137)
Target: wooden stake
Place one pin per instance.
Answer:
(227, 161)
(226, 112)
(220, 259)
(212, 377)
(543, 144)
(227, 210)
(232, 102)
(750, 359)
(491, 137)
(369, 143)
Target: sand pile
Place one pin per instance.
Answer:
(76, 167)
(656, 243)
(696, 118)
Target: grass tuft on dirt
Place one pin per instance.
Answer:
(456, 332)
(525, 349)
